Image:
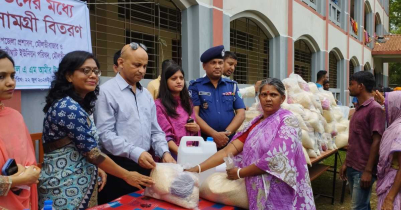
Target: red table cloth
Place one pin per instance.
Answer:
(137, 201)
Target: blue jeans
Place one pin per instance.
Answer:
(360, 197)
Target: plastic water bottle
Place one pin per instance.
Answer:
(194, 155)
(48, 205)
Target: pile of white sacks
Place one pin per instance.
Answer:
(324, 124)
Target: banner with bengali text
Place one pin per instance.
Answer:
(38, 33)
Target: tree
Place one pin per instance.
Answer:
(395, 28)
(395, 16)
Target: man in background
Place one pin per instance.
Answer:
(117, 55)
(230, 64)
(365, 131)
(321, 77)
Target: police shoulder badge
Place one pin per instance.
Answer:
(239, 94)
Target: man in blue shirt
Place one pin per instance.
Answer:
(125, 117)
(321, 77)
(218, 105)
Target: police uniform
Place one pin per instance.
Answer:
(216, 105)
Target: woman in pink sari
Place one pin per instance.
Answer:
(15, 143)
(388, 170)
(269, 156)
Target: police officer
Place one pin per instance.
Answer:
(218, 107)
(230, 64)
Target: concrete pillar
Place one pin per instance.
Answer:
(359, 5)
(344, 14)
(369, 27)
(318, 63)
(342, 79)
(226, 31)
(197, 36)
(385, 75)
(277, 56)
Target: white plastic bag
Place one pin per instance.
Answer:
(301, 82)
(328, 115)
(295, 108)
(219, 189)
(313, 87)
(291, 85)
(311, 153)
(303, 98)
(306, 140)
(341, 140)
(314, 121)
(174, 185)
(338, 113)
(301, 122)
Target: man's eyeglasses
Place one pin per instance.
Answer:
(135, 46)
(88, 71)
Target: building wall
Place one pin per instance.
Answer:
(308, 23)
(284, 21)
(274, 11)
(368, 57)
(355, 49)
(338, 39)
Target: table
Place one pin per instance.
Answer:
(137, 201)
(318, 169)
(344, 182)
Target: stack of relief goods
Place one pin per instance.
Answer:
(324, 124)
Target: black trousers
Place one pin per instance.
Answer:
(116, 187)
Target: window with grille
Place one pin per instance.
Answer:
(176, 54)
(366, 67)
(351, 69)
(333, 70)
(155, 23)
(302, 60)
(248, 41)
(241, 72)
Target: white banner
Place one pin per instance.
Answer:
(38, 33)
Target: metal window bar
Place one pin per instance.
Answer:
(333, 70)
(335, 13)
(251, 45)
(351, 69)
(155, 23)
(302, 60)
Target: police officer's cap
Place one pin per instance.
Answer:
(212, 53)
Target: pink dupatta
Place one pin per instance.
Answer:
(15, 142)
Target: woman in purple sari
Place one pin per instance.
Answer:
(269, 156)
(388, 170)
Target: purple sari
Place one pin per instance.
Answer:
(390, 143)
(274, 146)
